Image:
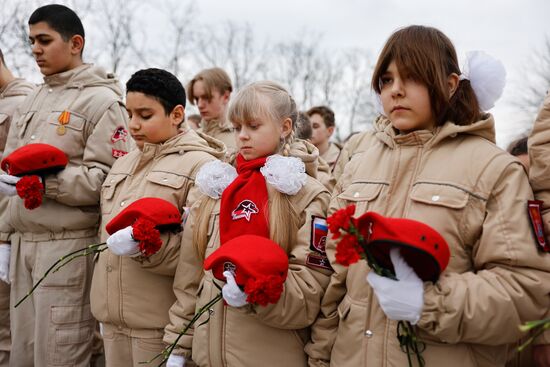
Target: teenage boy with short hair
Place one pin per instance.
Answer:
(79, 110)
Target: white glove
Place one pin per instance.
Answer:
(231, 292)
(7, 185)
(5, 262)
(402, 299)
(122, 243)
(175, 361)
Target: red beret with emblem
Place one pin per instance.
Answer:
(260, 266)
(162, 213)
(422, 247)
(34, 159)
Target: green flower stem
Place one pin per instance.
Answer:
(370, 259)
(409, 342)
(540, 326)
(165, 354)
(64, 260)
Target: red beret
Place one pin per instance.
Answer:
(33, 159)
(164, 214)
(422, 247)
(249, 257)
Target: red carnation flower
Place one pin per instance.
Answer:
(348, 250)
(148, 236)
(30, 189)
(264, 290)
(341, 219)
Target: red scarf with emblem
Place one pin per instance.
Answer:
(244, 202)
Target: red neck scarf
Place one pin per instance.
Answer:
(244, 202)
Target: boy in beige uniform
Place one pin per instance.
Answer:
(79, 110)
(131, 296)
(12, 93)
(210, 90)
(323, 125)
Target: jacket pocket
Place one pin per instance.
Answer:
(166, 179)
(108, 191)
(361, 194)
(439, 194)
(350, 333)
(71, 332)
(76, 122)
(443, 207)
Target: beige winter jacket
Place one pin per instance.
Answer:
(357, 144)
(252, 335)
(539, 174)
(331, 155)
(221, 131)
(315, 167)
(71, 203)
(11, 97)
(456, 180)
(126, 292)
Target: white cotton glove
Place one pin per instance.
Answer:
(122, 243)
(175, 361)
(402, 299)
(231, 292)
(7, 185)
(5, 263)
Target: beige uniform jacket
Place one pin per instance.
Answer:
(331, 155)
(135, 294)
(357, 144)
(539, 174)
(11, 97)
(315, 166)
(94, 137)
(252, 335)
(474, 194)
(223, 132)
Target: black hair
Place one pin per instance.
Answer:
(518, 147)
(160, 85)
(60, 18)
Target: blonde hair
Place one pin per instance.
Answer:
(261, 100)
(213, 79)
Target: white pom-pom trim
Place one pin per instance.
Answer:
(487, 76)
(214, 177)
(285, 174)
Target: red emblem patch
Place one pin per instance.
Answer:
(245, 209)
(318, 261)
(118, 153)
(534, 207)
(120, 134)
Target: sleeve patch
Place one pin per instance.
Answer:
(535, 216)
(118, 153)
(319, 232)
(318, 261)
(120, 134)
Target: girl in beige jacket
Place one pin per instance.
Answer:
(432, 158)
(285, 204)
(131, 296)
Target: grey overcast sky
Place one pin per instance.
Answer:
(507, 29)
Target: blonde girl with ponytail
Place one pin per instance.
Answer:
(270, 193)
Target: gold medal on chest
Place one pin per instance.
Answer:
(64, 118)
(61, 130)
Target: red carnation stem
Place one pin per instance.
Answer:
(64, 260)
(165, 354)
